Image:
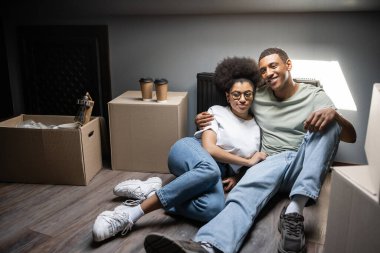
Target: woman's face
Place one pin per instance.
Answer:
(240, 98)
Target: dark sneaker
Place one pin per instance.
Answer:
(292, 233)
(157, 243)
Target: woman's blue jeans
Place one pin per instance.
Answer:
(197, 192)
(300, 172)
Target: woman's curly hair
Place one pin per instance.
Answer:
(233, 69)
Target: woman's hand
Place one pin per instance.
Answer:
(203, 119)
(256, 158)
(229, 183)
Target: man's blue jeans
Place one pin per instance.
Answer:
(197, 192)
(299, 172)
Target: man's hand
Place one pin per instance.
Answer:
(203, 119)
(318, 120)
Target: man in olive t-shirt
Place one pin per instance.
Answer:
(301, 132)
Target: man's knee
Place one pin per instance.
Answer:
(332, 131)
(333, 128)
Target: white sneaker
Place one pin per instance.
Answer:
(137, 189)
(109, 223)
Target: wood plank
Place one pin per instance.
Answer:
(59, 218)
(22, 241)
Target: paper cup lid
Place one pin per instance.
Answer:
(161, 81)
(146, 80)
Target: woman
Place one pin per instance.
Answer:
(222, 150)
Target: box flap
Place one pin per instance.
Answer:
(12, 122)
(360, 177)
(372, 142)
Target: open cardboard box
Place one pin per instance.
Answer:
(49, 156)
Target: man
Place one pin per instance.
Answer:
(301, 132)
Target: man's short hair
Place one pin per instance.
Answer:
(274, 50)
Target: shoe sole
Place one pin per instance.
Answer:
(142, 182)
(138, 181)
(122, 193)
(156, 243)
(280, 250)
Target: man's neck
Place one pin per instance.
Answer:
(288, 91)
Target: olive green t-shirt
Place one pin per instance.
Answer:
(282, 121)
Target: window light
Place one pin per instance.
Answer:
(331, 77)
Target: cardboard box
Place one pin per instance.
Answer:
(353, 223)
(49, 156)
(142, 132)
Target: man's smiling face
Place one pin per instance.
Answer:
(274, 71)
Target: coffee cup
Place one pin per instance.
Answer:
(146, 86)
(161, 86)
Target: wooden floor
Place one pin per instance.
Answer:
(58, 218)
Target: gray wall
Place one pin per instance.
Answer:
(179, 47)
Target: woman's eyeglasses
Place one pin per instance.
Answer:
(236, 95)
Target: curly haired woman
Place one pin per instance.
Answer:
(208, 164)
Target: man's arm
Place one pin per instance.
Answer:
(203, 119)
(318, 120)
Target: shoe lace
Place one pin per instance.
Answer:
(127, 228)
(132, 202)
(206, 245)
(293, 225)
(137, 192)
(119, 222)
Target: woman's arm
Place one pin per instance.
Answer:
(219, 154)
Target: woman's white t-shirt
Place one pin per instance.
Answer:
(234, 135)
